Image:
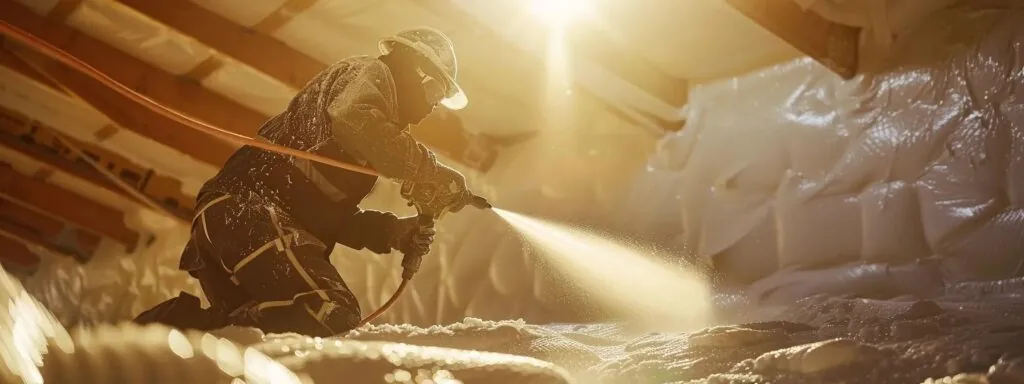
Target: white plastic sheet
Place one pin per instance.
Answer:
(921, 159)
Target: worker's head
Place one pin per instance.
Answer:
(422, 62)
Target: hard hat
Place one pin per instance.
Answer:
(437, 48)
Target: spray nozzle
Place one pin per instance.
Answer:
(480, 202)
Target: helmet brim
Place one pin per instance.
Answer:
(456, 98)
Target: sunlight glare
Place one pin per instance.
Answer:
(558, 13)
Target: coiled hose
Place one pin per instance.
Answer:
(73, 62)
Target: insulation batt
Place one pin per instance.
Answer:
(794, 168)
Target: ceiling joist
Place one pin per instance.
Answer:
(52, 242)
(77, 170)
(43, 145)
(257, 49)
(126, 113)
(831, 44)
(22, 215)
(176, 92)
(67, 206)
(16, 257)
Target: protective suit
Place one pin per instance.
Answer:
(266, 224)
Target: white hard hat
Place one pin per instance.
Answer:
(436, 47)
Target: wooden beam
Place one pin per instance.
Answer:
(126, 113)
(15, 255)
(68, 206)
(28, 134)
(595, 43)
(831, 44)
(23, 215)
(77, 170)
(176, 92)
(282, 15)
(256, 48)
(27, 235)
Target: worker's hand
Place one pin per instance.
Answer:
(452, 188)
(412, 236)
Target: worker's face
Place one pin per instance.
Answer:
(419, 92)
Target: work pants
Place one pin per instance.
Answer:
(258, 268)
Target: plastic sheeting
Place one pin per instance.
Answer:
(792, 167)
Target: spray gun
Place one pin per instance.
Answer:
(430, 205)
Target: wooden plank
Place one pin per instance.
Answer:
(128, 114)
(20, 214)
(176, 92)
(26, 235)
(15, 255)
(256, 48)
(77, 170)
(146, 181)
(68, 206)
(833, 45)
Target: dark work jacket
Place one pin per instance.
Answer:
(322, 199)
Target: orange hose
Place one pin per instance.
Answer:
(231, 137)
(387, 304)
(59, 55)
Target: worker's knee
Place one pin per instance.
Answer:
(339, 313)
(320, 313)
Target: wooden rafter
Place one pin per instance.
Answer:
(34, 236)
(67, 206)
(175, 92)
(15, 255)
(126, 113)
(22, 215)
(831, 44)
(256, 48)
(42, 143)
(77, 170)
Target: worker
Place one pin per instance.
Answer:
(266, 224)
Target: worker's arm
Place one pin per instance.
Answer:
(369, 229)
(361, 125)
(382, 232)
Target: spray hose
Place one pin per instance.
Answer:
(65, 58)
(410, 262)
(78, 65)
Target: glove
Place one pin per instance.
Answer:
(452, 189)
(411, 235)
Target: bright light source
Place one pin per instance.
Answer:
(558, 13)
